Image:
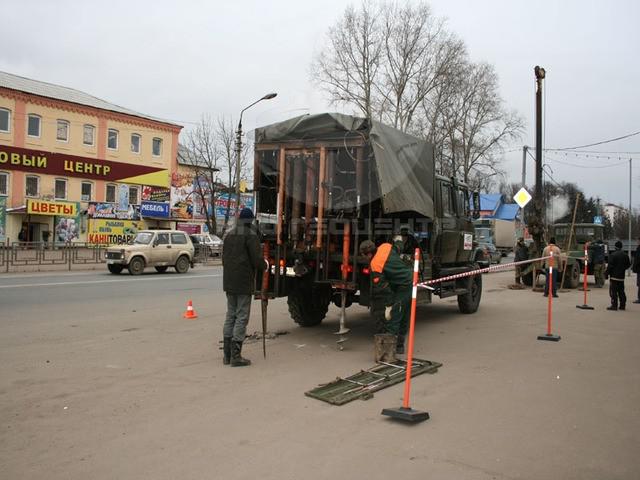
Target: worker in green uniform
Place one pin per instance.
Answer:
(392, 283)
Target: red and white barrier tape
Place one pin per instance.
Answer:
(493, 268)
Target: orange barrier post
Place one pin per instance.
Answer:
(405, 412)
(190, 314)
(584, 305)
(549, 335)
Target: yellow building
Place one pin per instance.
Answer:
(68, 159)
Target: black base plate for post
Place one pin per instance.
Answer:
(584, 307)
(550, 337)
(406, 414)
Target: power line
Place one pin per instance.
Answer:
(600, 143)
(626, 162)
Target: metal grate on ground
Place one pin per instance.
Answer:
(364, 383)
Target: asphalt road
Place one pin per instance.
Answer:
(102, 378)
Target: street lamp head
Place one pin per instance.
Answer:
(269, 96)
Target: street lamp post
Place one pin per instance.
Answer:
(268, 96)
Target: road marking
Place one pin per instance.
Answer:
(53, 284)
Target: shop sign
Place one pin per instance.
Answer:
(189, 228)
(112, 232)
(156, 194)
(45, 207)
(225, 199)
(108, 210)
(154, 209)
(54, 163)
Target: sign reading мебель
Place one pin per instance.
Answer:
(112, 232)
(54, 163)
(154, 209)
(46, 207)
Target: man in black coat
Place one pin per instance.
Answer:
(636, 269)
(241, 259)
(521, 254)
(616, 269)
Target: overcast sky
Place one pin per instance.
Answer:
(178, 60)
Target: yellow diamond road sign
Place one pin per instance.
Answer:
(522, 197)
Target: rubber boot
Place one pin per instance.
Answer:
(400, 345)
(236, 358)
(226, 348)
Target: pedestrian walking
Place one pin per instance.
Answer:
(551, 249)
(241, 260)
(636, 270)
(618, 264)
(596, 251)
(392, 283)
(522, 254)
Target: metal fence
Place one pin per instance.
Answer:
(19, 256)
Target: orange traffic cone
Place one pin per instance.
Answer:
(190, 314)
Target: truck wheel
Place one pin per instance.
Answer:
(309, 305)
(468, 303)
(573, 276)
(136, 266)
(182, 264)
(115, 269)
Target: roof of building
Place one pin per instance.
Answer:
(507, 211)
(190, 158)
(49, 90)
(490, 201)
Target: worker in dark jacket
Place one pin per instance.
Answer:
(241, 260)
(522, 254)
(392, 282)
(596, 254)
(618, 264)
(636, 269)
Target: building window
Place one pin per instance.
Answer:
(110, 194)
(157, 147)
(5, 120)
(135, 143)
(112, 139)
(32, 186)
(86, 190)
(133, 195)
(88, 135)
(62, 131)
(4, 184)
(33, 125)
(61, 189)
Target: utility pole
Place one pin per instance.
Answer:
(524, 166)
(630, 214)
(536, 226)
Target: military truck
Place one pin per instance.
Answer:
(325, 183)
(572, 244)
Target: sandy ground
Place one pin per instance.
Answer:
(128, 395)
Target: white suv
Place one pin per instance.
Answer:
(160, 249)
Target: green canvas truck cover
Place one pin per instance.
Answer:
(405, 164)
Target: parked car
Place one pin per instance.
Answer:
(212, 242)
(160, 249)
(491, 252)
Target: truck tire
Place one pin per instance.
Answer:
(309, 305)
(572, 278)
(136, 266)
(115, 269)
(469, 302)
(182, 264)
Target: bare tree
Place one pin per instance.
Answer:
(397, 63)
(348, 69)
(202, 153)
